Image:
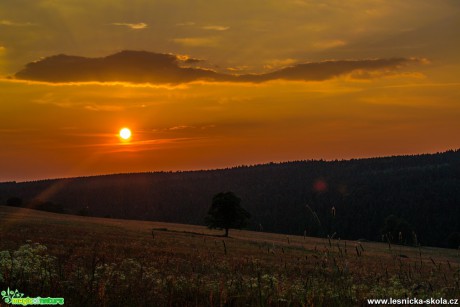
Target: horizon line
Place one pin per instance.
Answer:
(231, 167)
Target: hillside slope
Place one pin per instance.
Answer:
(108, 262)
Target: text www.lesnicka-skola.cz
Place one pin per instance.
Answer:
(413, 301)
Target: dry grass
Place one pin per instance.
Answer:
(108, 262)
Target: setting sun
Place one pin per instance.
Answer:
(125, 134)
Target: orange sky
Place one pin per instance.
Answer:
(70, 128)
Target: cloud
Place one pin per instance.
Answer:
(185, 127)
(158, 68)
(215, 28)
(206, 27)
(10, 23)
(127, 66)
(181, 127)
(134, 26)
(98, 108)
(319, 71)
(276, 64)
(187, 59)
(239, 69)
(147, 145)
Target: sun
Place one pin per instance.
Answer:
(125, 134)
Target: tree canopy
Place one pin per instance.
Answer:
(226, 212)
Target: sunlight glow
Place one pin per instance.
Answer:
(125, 134)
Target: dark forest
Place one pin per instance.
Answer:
(404, 199)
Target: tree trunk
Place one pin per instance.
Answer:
(226, 232)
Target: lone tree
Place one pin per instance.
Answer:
(226, 213)
(398, 230)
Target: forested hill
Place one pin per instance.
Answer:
(418, 196)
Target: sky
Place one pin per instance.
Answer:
(267, 81)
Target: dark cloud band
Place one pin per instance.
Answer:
(149, 67)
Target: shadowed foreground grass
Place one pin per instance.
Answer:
(106, 262)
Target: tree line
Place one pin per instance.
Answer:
(405, 199)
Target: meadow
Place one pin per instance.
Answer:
(109, 262)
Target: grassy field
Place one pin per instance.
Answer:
(107, 262)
